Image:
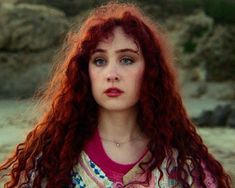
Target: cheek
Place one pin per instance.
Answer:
(135, 81)
(93, 75)
(138, 77)
(96, 83)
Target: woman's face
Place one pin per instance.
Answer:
(116, 70)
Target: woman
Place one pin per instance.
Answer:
(115, 117)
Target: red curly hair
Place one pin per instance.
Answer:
(53, 147)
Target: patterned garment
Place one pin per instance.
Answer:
(87, 174)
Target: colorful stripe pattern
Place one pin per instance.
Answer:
(87, 174)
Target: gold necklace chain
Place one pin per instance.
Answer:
(118, 144)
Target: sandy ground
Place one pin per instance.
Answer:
(14, 125)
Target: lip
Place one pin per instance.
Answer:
(113, 92)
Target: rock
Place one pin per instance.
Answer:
(222, 115)
(22, 73)
(194, 89)
(30, 27)
(216, 54)
(196, 27)
(204, 119)
(231, 119)
(154, 10)
(29, 36)
(193, 29)
(198, 74)
(200, 91)
(71, 7)
(186, 34)
(221, 90)
(206, 48)
(24, 84)
(194, 74)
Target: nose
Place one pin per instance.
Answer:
(113, 78)
(113, 75)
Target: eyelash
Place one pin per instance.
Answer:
(131, 61)
(96, 60)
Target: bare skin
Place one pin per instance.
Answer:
(122, 128)
(118, 62)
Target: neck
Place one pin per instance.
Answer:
(118, 125)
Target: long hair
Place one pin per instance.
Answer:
(53, 147)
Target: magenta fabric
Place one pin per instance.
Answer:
(113, 170)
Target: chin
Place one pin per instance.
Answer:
(114, 108)
(117, 107)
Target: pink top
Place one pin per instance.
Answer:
(113, 170)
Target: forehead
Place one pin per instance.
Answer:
(118, 40)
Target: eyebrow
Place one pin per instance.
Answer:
(117, 51)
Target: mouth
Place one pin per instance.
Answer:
(113, 92)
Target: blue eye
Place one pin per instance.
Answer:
(99, 62)
(127, 60)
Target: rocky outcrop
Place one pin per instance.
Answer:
(220, 116)
(221, 91)
(23, 72)
(155, 11)
(194, 29)
(29, 36)
(187, 32)
(204, 49)
(71, 7)
(30, 27)
(216, 53)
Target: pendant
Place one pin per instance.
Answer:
(117, 144)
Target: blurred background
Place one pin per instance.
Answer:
(201, 32)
